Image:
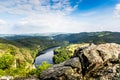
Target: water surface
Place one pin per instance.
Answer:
(46, 56)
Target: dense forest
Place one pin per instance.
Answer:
(18, 52)
(17, 55)
(90, 37)
(64, 53)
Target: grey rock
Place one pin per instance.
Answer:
(94, 62)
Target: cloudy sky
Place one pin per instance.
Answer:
(70, 16)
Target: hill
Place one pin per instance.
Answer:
(17, 52)
(17, 55)
(90, 37)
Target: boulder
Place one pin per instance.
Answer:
(68, 70)
(93, 62)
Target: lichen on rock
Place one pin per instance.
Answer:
(93, 62)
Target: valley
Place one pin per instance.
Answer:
(59, 39)
(28, 56)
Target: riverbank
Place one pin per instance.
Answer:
(47, 55)
(41, 52)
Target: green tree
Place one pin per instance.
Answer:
(6, 61)
(61, 57)
(42, 67)
(2, 73)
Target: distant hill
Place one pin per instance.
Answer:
(32, 43)
(22, 36)
(17, 52)
(92, 37)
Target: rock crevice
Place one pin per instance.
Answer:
(93, 62)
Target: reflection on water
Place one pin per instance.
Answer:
(46, 56)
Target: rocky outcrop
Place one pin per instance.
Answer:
(93, 62)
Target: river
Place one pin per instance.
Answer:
(46, 56)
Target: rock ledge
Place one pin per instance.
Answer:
(93, 62)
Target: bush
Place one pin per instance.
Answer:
(61, 55)
(32, 72)
(6, 61)
(39, 69)
(16, 72)
(42, 67)
(58, 58)
(2, 73)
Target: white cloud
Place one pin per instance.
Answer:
(42, 16)
(4, 26)
(50, 22)
(36, 6)
(117, 10)
(2, 22)
(88, 14)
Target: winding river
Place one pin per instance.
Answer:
(46, 56)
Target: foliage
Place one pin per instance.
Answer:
(2, 72)
(17, 55)
(64, 53)
(93, 37)
(16, 72)
(32, 72)
(42, 67)
(61, 56)
(6, 61)
(24, 49)
(58, 58)
(39, 69)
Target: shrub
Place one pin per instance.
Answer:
(2, 73)
(6, 61)
(42, 67)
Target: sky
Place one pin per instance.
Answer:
(66, 16)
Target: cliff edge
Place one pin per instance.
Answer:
(93, 62)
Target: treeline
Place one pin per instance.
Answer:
(17, 55)
(66, 52)
(90, 37)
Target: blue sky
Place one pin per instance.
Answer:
(69, 16)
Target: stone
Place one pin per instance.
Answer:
(93, 62)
